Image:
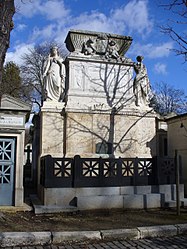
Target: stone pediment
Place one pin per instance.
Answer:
(105, 45)
(8, 102)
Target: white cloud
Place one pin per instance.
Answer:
(48, 32)
(162, 50)
(21, 27)
(135, 16)
(54, 10)
(160, 68)
(51, 9)
(152, 50)
(132, 17)
(27, 8)
(94, 21)
(129, 18)
(19, 51)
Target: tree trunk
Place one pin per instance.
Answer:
(7, 10)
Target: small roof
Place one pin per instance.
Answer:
(184, 115)
(10, 103)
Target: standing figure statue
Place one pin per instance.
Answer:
(54, 76)
(141, 85)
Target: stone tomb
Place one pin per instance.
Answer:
(99, 115)
(14, 113)
(104, 113)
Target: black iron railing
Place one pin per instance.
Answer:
(105, 172)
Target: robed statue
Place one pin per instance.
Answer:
(54, 76)
(141, 85)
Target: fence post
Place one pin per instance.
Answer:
(46, 170)
(101, 171)
(177, 183)
(155, 172)
(135, 171)
(76, 171)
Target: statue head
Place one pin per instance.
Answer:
(54, 50)
(139, 58)
(112, 43)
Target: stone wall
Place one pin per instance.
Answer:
(133, 134)
(52, 129)
(177, 140)
(97, 84)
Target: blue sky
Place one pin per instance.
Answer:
(37, 21)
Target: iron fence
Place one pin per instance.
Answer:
(105, 172)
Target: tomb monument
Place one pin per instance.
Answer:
(101, 104)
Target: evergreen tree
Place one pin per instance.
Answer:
(11, 80)
(7, 10)
(12, 83)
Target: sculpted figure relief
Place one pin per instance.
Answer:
(88, 47)
(54, 76)
(141, 85)
(112, 50)
(102, 46)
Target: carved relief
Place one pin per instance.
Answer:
(100, 45)
(88, 47)
(103, 46)
(78, 76)
(112, 50)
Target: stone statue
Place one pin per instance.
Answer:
(54, 76)
(141, 85)
(88, 47)
(112, 50)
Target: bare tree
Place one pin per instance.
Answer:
(168, 99)
(7, 10)
(179, 9)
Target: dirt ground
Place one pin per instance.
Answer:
(95, 220)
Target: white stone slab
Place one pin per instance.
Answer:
(68, 194)
(140, 190)
(181, 228)
(133, 202)
(157, 231)
(97, 191)
(9, 239)
(99, 202)
(51, 196)
(127, 190)
(152, 201)
(59, 237)
(120, 233)
(169, 190)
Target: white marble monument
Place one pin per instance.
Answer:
(106, 104)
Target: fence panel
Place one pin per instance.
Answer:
(56, 172)
(105, 172)
(166, 170)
